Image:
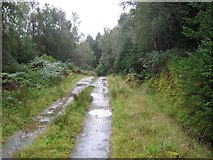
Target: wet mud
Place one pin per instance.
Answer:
(30, 131)
(93, 141)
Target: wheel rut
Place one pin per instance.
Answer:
(30, 131)
(93, 141)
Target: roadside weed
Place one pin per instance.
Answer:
(60, 137)
(20, 106)
(142, 129)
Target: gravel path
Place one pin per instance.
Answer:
(93, 141)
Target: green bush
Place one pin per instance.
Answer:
(38, 72)
(49, 69)
(195, 76)
(13, 67)
(187, 86)
(99, 69)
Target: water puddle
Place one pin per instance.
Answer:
(100, 113)
(79, 87)
(45, 119)
(39, 124)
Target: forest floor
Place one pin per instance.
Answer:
(123, 122)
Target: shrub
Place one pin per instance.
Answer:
(49, 69)
(195, 76)
(38, 72)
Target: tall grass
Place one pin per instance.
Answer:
(141, 129)
(59, 139)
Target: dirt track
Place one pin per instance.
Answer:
(93, 141)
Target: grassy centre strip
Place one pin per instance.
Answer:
(60, 137)
(141, 129)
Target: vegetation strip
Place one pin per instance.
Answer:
(59, 139)
(20, 106)
(25, 137)
(141, 129)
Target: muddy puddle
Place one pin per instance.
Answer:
(100, 113)
(93, 141)
(39, 124)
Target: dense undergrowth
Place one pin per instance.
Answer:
(140, 128)
(32, 88)
(187, 87)
(183, 85)
(60, 137)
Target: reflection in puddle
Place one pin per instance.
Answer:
(100, 113)
(46, 119)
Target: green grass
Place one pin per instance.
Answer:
(21, 105)
(59, 139)
(141, 129)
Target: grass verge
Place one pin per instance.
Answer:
(59, 139)
(141, 129)
(21, 105)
